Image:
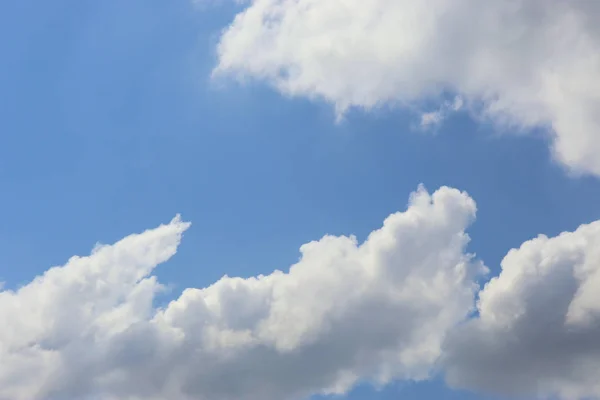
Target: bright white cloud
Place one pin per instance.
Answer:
(345, 312)
(539, 325)
(71, 328)
(527, 63)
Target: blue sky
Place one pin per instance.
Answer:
(111, 125)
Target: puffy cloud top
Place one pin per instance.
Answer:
(527, 63)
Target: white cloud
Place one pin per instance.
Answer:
(62, 331)
(539, 325)
(528, 63)
(396, 306)
(345, 312)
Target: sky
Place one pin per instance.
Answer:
(299, 200)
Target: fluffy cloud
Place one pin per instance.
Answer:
(377, 311)
(396, 306)
(73, 327)
(539, 326)
(526, 63)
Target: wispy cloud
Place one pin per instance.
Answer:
(435, 118)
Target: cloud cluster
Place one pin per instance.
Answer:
(526, 63)
(346, 312)
(397, 306)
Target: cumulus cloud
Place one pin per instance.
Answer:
(397, 306)
(74, 326)
(538, 330)
(345, 312)
(525, 63)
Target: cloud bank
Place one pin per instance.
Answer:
(344, 313)
(397, 306)
(525, 63)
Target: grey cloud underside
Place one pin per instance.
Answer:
(397, 306)
(520, 63)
